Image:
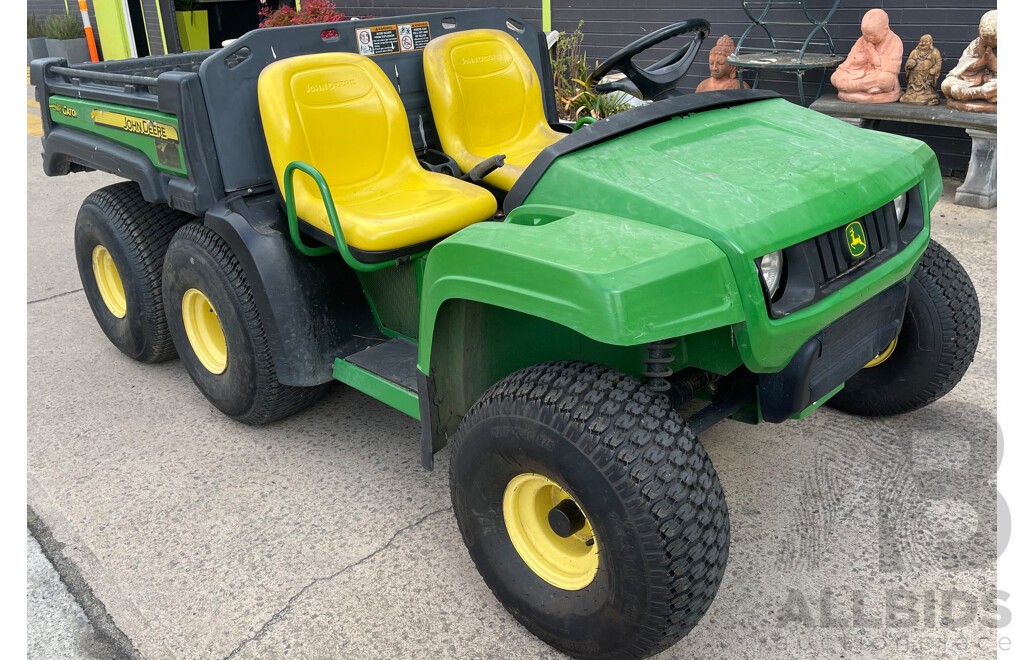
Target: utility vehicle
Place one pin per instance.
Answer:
(393, 203)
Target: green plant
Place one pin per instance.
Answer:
(35, 27)
(63, 26)
(573, 97)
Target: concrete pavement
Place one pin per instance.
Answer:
(322, 537)
(58, 627)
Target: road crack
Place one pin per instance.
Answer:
(56, 295)
(259, 634)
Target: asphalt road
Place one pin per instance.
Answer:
(322, 537)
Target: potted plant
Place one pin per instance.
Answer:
(193, 25)
(66, 38)
(575, 99)
(36, 39)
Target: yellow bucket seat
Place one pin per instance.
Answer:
(339, 113)
(486, 99)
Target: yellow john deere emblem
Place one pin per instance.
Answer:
(136, 125)
(856, 239)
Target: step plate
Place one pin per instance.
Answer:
(393, 360)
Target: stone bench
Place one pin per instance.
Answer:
(979, 187)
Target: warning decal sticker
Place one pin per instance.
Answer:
(387, 39)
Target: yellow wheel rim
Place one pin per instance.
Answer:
(883, 356)
(204, 331)
(108, 281)
(567, 562)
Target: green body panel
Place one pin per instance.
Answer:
(790, 174)
(615, 280)
(660, 243)
(153, 133)
(394, 395)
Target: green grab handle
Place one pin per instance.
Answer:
(332, 216)
(582, 121)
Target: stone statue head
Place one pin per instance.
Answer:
(925, 43)
(875, 25)
(987, 29)
(720, 68)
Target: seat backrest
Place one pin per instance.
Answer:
(484, 92)
(339, 113)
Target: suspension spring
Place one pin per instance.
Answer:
(656, 364)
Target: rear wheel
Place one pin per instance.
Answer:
(590, 509)
(940, 333)
(120, 241)
(219, 333)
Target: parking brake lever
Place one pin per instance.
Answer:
(483, 168)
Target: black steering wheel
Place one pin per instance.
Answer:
(658, 80)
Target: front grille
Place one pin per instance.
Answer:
(821, 265)
(881, 233)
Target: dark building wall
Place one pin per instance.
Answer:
(611, 24)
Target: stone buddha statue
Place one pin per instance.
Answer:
(871, 72)
(923, 68)
(723, 74)
(971, 85)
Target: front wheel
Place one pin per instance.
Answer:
(590, 509)
(933, 350)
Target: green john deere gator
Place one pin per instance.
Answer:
(393, 203)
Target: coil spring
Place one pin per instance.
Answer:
(659, 356)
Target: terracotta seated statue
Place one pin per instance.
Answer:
(971, 85)
(723, 74)
(871, 72)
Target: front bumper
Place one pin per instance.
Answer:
(833, 355)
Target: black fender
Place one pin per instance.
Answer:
(313, 309)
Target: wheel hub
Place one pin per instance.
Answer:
(108, 281)
(883, 356)
(204, 331)
(550, 532)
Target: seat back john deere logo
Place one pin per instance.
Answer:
(856, 239)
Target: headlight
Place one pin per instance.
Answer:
(770, 266)
(901, 208)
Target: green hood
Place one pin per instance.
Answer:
(753, 178)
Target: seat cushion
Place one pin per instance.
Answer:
(395, 213)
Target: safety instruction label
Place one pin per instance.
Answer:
(386, 39)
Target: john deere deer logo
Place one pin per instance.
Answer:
(856, 241)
